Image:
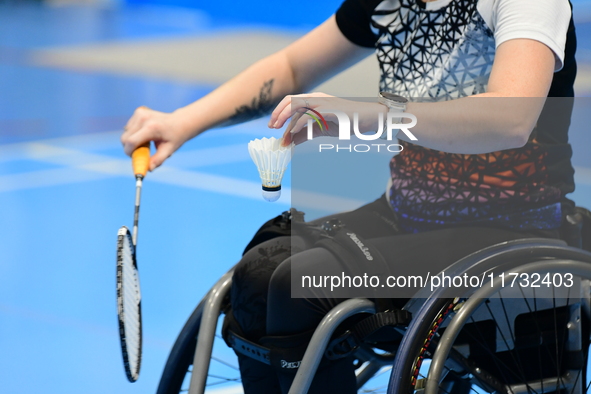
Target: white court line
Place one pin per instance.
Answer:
(50, 153)
(203, 181)
(248, 189)
(64, 156)
(111, 139)
(226, 390)
(227, 154)
(95, 141)
(47, 178)
(83, 166)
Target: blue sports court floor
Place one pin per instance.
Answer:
(70, 76)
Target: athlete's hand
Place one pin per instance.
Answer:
(165, 129)
(318, 107)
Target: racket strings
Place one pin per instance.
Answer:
(129, 305)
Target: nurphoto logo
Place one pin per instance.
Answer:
(386, 130)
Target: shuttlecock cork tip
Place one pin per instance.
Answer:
(270, 194)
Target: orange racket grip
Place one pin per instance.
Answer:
(140, 159)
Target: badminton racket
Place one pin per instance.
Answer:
(129, 305)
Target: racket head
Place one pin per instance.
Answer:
(129, 304)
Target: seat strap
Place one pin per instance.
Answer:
(368, 326)
(248, 348)
(338, 348)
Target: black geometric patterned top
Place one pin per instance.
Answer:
(441, 54)
(429, 54)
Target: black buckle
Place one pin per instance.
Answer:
(341, 346)
(292, 215)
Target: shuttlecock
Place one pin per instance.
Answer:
(271, 160)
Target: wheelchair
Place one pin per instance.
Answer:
(490, 339)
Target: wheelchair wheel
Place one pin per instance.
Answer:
(223, 371)
(180, 358)
(518, 340)
(372, 366)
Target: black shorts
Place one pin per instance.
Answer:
(261, 290)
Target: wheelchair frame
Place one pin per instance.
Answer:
(425, 305)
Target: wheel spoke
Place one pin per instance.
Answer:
(219, 360)
(518, 360)
(222, 380)
(500, 365)
(559, 379)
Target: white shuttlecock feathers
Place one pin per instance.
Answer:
(271, 160)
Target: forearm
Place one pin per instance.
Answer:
(319, 55)
(471, 125)
(477, 124)
(502, 118)
(251, 94)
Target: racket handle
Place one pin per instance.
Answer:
(140, 159)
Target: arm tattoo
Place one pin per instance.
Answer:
(259, 106)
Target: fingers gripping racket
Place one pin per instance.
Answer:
(128, 283)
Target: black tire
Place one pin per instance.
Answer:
(181, 355)
(422, 333)
(176, 374)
